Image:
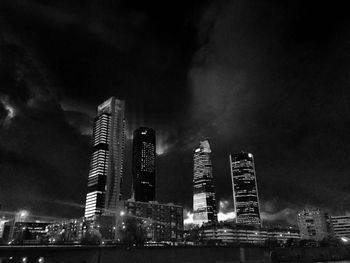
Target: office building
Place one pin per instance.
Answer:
(246, 234)
(340, 226)
(204, 203)
(313, 224)
(162, 222)
(144, 164)
(245, 189)
(106, 165)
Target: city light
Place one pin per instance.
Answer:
(122, 213)
(345, 239)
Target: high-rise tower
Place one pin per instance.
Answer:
(204, 203)
(245, 190)
(144, 164)
(106, 165)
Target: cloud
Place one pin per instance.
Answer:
(43, 157)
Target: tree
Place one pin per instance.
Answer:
(92, 237)
(132, 231)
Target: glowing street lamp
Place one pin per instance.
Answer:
(21, 215)
(345, 239)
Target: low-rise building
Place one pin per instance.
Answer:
(340, 226)
(246, 234)
(313, 224)
(162, 222)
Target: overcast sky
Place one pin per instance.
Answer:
(268, 77)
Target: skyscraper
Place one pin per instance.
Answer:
(106, 165)
(204, 203)
(144, 164)
(245, 190)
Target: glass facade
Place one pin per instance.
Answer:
(144, 164)
(106, 164)
(204, 203)
(245, 190)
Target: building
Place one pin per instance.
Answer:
(106, 165)
(144, 164)
(162, 222)
(313, 224)
(65, 231)
(340, 226)
(29, 231)
(245, 189)
(246, 234)
(283, 234)
(204, 203)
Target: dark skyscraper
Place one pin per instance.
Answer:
(204, 203)
(245, 190)
(144, 164)
(106, 165)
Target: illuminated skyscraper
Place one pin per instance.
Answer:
(106, 165)
(144, 164)
(245, 190)
(204, 203)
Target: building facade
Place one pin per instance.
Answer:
(245, 189)
(204, 202)
(313, 224)
(162, 222)
(106, 165)
(340, 226)
(144, 164)
(246, 234)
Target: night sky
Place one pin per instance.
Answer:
(266, 77)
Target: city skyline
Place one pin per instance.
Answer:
(263, 77)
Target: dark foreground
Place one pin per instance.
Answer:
(128, 254)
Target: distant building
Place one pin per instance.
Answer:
(29, 231)
(245, 189)
(144, 164)
(204, 202)
(162, 222)
(106, 165)
(313, 224)
(65, 231)
(340, 226)
(246, 234)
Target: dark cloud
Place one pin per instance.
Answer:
(271, 79)
(261, 76)
(43, 158)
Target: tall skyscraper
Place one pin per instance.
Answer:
(144, 164)
(204, 203)
(106, 165)
(245, 190)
